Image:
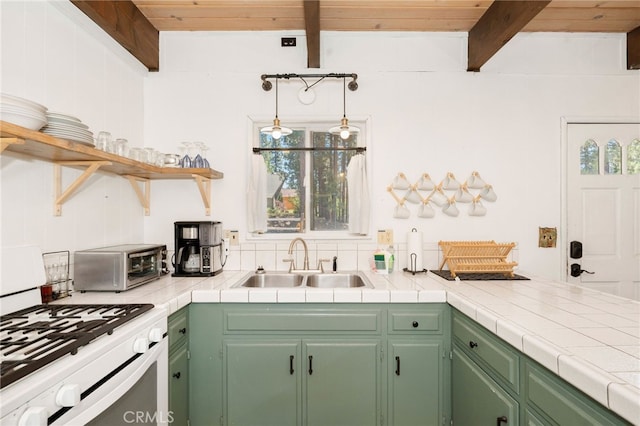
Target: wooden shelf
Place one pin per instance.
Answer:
(67, 153)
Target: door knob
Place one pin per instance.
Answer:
(576, 270)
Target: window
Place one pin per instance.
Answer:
(589, 158)
(613, 158)
(633, 158)
(307, 185)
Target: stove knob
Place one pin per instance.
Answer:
(141, 345)
(34, 416)
(156, 334)
(68, 395)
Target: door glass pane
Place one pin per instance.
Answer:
(285, 183)
(329, 202)
(633, 158)
(613, 158)
(589, 158)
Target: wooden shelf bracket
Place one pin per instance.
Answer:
(143, 196)
(204, 185)
(6, 142)
(62, 196)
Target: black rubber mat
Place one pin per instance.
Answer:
(466, 276)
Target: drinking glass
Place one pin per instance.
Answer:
(103, 140)
(121, 147)
(184, 152)
(197, 162)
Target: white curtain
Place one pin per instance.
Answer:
(257, 193)
(358, 195)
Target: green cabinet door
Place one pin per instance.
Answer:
(342, 382)
(179, 385)
(415, 383)
(262, 382)
(477, 399)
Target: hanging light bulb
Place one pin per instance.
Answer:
(344, 130)
(276, 131)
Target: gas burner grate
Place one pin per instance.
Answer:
(34, 337)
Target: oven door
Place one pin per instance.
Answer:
(143, 267)
(134, 393)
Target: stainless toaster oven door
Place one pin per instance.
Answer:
(143, 266)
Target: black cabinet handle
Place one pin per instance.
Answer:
(291, 364)
(472, 344)
(176, 375)
(415, 324)
(397, 366)
(501, 419)
(310, 364)
(183, 330)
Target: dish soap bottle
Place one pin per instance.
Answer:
(391, 259)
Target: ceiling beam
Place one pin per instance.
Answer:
(312, 28)
(633, 49)
(128, 26)
(500, 22)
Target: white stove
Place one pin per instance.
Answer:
(80, 364)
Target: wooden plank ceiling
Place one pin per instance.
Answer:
(490, 24)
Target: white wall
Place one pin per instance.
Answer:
(427, 114)
(52, 54)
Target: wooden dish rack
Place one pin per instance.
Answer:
(477, 257)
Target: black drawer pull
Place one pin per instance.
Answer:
(291, 364)
(397, 366)
(415, 324)
(176, 375)
(310, 365)
(472, 344)
(501, 419)
(183, 330)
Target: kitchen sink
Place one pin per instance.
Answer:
(337, 280)
(267, 279)
(314, 280)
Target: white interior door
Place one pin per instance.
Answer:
(603, 206)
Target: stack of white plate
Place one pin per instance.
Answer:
(68, 127)
(22, 112)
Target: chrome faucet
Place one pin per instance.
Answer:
(306, 254)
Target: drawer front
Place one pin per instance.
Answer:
(417, 322)
(298, 320)
(177, 327)
(500, 359)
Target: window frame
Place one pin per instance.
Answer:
(315, 123)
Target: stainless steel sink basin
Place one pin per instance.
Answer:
(337, 280)
(275, 279)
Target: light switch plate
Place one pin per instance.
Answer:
(233, 237)
(385, 237)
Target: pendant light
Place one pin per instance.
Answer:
(344, 130)
(276, 131)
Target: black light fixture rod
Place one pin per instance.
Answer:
(296, 148)
(266, 85)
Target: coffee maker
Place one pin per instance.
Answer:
(200, 249)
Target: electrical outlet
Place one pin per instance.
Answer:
(233, 237)
(385, 237)
(288, 42)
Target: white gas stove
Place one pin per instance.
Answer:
(78, 364)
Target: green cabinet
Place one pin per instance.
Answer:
(178, 367)
(342, 378)
(318, 364)
(478, 399)
(262, 382)
(493, 383)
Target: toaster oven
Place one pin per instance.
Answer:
(118, 268)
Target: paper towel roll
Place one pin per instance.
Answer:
(414, 251)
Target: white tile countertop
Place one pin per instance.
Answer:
(590, 339)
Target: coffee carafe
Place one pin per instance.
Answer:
(200, 249)
(189, 258)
